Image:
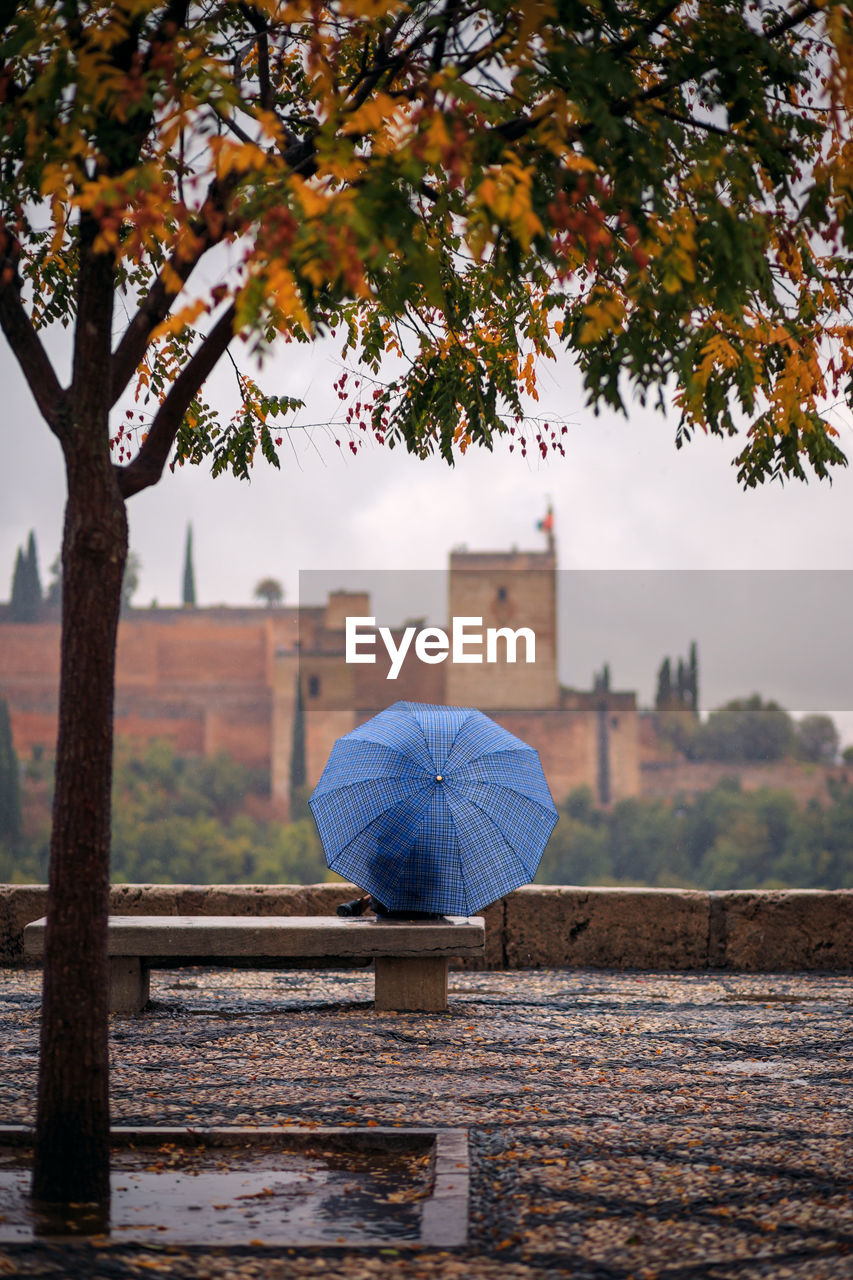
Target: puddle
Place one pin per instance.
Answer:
(225, 1188)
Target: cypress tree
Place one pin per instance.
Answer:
(189, 572)
(10, 779)
(664, 690)
(694, 678)
(18, 598)
(34, 591)
(26, 599)
(298, 770)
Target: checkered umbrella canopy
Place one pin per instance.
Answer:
(433, 809)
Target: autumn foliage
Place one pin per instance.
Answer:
(663, 188)
(454, 188)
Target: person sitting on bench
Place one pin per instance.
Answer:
(367, 902)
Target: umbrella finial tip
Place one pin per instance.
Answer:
(439, 778)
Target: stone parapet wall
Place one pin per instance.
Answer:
(549, 926)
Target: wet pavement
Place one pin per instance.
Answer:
(622, 1126)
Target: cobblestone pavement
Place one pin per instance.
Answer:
(624, 1126)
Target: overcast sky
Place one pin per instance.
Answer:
(624, 499)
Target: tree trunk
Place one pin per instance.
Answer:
(72, 1132)
(72, 1126)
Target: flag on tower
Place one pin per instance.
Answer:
(546, 525)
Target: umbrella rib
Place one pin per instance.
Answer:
(521, 749)
(402, 867)
(488, 817)
(468, 896)
(468, 713)
(380, 814)
(506, 786)
(514, 745)
(357, 782)
(459, 861)
(462, 725)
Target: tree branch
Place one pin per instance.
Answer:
(261, 29)
(664, 87)
(443, 25)
(794, 19)
(519, 126)
(158, 302)
(147, 467)
(27, 348)
(383, 64)
(705, 125)
(647, 28)
(134, 342)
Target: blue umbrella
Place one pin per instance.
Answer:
(434, 809)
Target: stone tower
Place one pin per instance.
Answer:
(507, 589)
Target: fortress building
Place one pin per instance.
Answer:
(583, 737)
(227, 680)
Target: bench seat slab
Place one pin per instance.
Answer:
(281, 936)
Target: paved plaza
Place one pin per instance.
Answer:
(622, 1126)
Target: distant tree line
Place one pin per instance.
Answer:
(744, 729)
(176, 820)
(724, 838)
(27, 599)
(751, 730)
(184, 820)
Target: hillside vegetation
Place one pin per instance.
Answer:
(184, 820)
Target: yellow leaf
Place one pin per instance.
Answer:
(53, 181)
(372, 114)
(314, 202)
(180, 320)
(579, 163)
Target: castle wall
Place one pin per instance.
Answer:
(336, 697)
(29, 652)
(567, 741)
(29, 680)
(201, 678)
(211, 680)
(322, 732)
(281, 729)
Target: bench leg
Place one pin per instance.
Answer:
(417, 985)
(128, 984)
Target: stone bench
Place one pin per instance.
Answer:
(410, 956)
